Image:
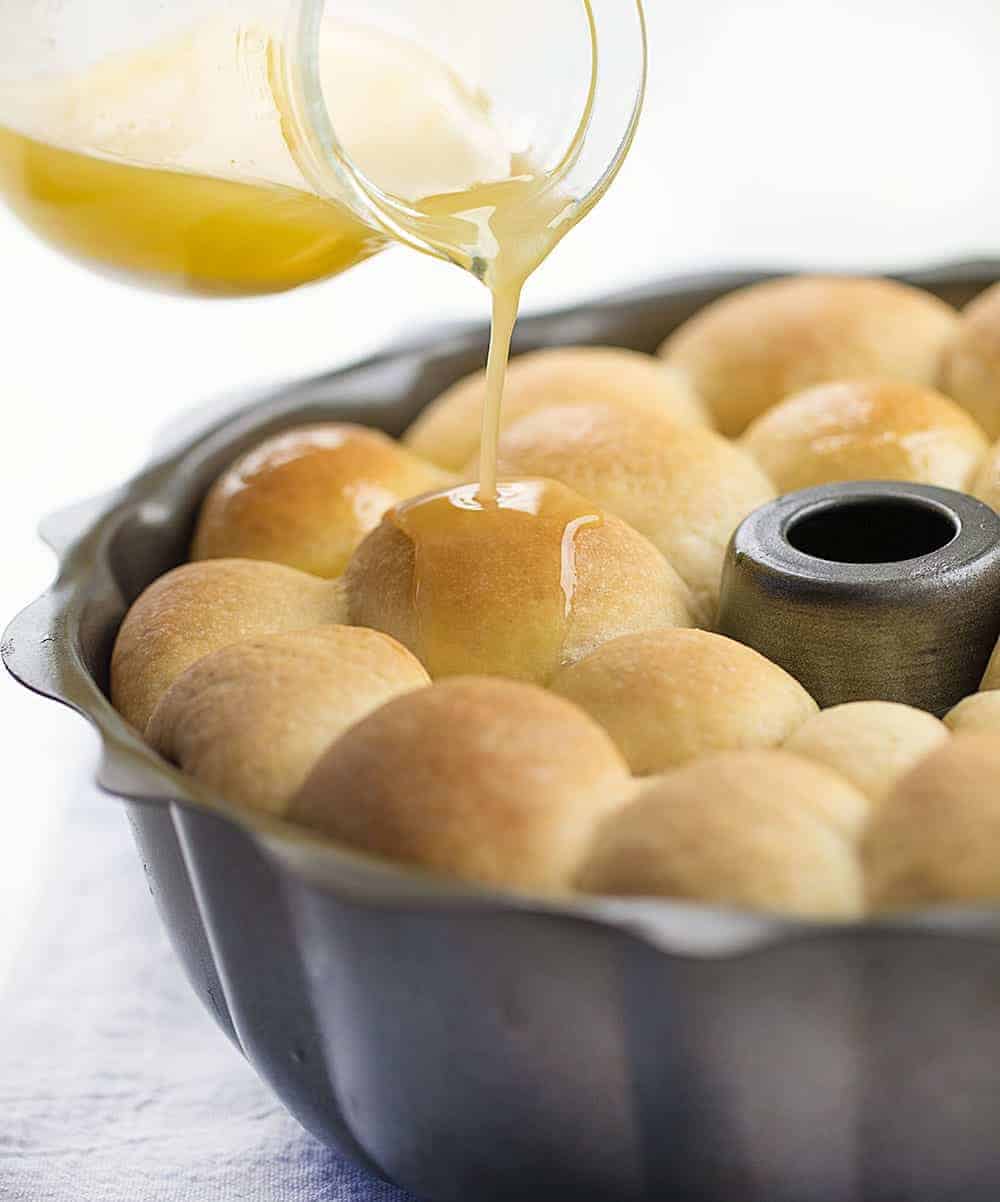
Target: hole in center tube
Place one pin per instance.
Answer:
(880, 530)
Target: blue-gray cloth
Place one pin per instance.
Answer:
(114, 1085)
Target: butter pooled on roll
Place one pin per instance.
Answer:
(685, 488)
(516, 587)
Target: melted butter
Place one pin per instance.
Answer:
(177, 164)
(494, 580)
(176, 230)
(502, 232)
(173, 164)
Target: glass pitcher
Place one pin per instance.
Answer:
(226, 147)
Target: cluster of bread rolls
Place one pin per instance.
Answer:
(528, 694)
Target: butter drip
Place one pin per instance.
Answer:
(494, 580)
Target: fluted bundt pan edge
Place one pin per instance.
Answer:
(391, 1010)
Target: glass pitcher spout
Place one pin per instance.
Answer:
(567, 165)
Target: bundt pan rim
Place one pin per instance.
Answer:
(43, 645)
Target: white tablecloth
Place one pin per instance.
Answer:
(115, 1086)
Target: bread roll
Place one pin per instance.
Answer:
(199, 608)
(485, 780)
(991, 680)
(668, 696)
(754, 347)
(684, 487)
(976, 715)
(971, 369)
(250, 721)
(870, 743)
(447, 432)
(308, 496)
(986, 484)
(513, 589)
(761, 829)
(866, 430)
(936, 838)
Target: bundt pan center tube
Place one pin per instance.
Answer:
(869, 591)
(472, 1045)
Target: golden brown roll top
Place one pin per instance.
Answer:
(684, 487)
(515, 587)
(867, 430)
(199, 608)
(934, 840)
(669, 696)
(447, 432)
(762, 829)
(489, 781)
(971, 372)
(250, 721)
(308, 496)
(870, 743)
(753, 348)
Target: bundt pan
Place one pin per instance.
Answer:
(468, 1045)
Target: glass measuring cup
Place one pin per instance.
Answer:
(246, 147)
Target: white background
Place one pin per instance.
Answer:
(802, 133)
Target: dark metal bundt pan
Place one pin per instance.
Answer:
(475, 1046)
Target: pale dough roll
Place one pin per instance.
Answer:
(936, 838)
(250, 721)
(673, 695)
(971, 369)
(760, 829)
(447, 432)
(201, 607)
(308, 496)
(751, 349)
(486, 780)
(976, 715)
(866, 430)
(870, 743)
(685, 488)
